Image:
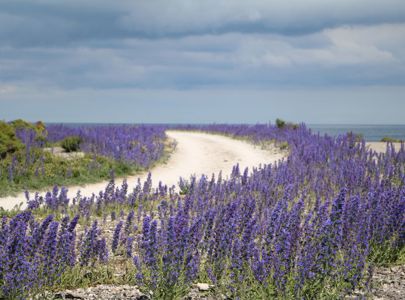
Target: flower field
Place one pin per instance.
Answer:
(29, 161)
(312, 226)
(137, 144)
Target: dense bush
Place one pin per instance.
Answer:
(71, 143)
(9, 142)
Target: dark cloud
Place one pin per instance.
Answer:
(184, 44)
(343, 56)
(50, 23)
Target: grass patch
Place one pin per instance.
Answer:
(45, 169)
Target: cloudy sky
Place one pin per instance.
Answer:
(317, 61)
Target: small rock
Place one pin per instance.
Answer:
(203, 287)
(67, 296)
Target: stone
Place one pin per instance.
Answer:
(67, 296)
(203, 287)
(105, 292)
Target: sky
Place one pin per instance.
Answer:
(187, 61)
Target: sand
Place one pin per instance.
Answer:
(195, 154)
(381, 147)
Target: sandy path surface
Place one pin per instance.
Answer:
(382, 146)
(195, 154)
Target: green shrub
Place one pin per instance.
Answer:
(38, 127)
(283, 124)
(388, 139)
(21, 124)
(280, 123)
(283, 145)
(294, 126)
(71, 143)
(9, 142)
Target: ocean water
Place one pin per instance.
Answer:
(370, 133)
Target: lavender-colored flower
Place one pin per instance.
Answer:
(116, 237)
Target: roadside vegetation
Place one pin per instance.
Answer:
(33, 156)
(313, 226)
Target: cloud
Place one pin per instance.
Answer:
(46, 22)
(192, 44)
(345, 55)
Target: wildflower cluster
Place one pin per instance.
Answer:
(141, 145)
(310, 226)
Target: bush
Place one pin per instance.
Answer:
(280, 123)
(388, 139)
(283, 124)
(9, 142)
(295, 126)
(71, 143)
(40, 126)
(21, 124)
(283, 145)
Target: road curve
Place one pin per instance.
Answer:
(196, 153)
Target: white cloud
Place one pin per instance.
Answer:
(341, 46)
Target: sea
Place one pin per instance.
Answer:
(371, 133)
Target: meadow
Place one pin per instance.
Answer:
(35, 156)
(312, 226)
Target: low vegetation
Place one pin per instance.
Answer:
(283, 124)
(71, 143)
(9, 143)
(28, 162)
(312, 226)
(387, 139)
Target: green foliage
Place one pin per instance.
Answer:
(35, 168)
(294, 126)
(40, 126)
(389, 253)
(48, 170)
(283, 124)
(21, 124)
(283, 145)
(280, 123)
(9, 142)
(71, 143)
(388, 139)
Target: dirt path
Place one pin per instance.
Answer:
(196, 154)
